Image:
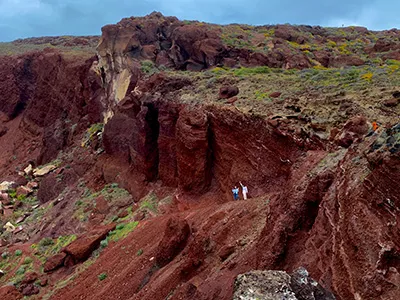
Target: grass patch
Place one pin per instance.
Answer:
(48, 247)
(91, 134)
(149, 202)
(27, 261)
(83, 206)
(121, 231)
(148, 67)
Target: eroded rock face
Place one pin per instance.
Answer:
(192, 141)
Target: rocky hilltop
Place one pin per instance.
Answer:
(117, 168)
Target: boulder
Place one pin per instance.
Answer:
(123, 214)
(54, 262)
(263, 285)
(226, 251)
(101, 205)
(139, 216)
(43, 281)
(173, 242)
(227, 92)
(22, 218)
(29, 289)
(38, 172)
(275, 94)
(80, 249)
(28, 170)
(24, 190)
(6, 185)
(306, 288)
(353, 130)
(391, 102)
(32, 185)
(277, 285)
(4, 198)
(30, 277)
(9, 292)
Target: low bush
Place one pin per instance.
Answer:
(102, 276)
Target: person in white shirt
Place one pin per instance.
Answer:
(244, 191)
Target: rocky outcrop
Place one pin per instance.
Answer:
(193, 141)
(347, 217)
(276, 285)
(80, 249)
(173, 242)
(268, 285)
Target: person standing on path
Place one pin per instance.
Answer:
(235, 192)
(244, 191)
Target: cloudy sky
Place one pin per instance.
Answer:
(27, 18)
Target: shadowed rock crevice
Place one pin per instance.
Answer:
(151, 142)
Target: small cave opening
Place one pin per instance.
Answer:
(151, 144)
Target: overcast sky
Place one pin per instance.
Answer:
(27, 18)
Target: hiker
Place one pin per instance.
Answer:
(235, 192)
(244, 191)
(375, 126)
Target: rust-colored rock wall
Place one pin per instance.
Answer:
(50, 93)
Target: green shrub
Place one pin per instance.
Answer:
(139, 252)
(4, 255)
(104, 243)
(48, 247)
(12, 193)
(21, 198)
(18, 252)
(20, 271)
(149, 202)
(120, 226)
(148, 67)
(27, 260)
(102, 276)
(46, 242)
